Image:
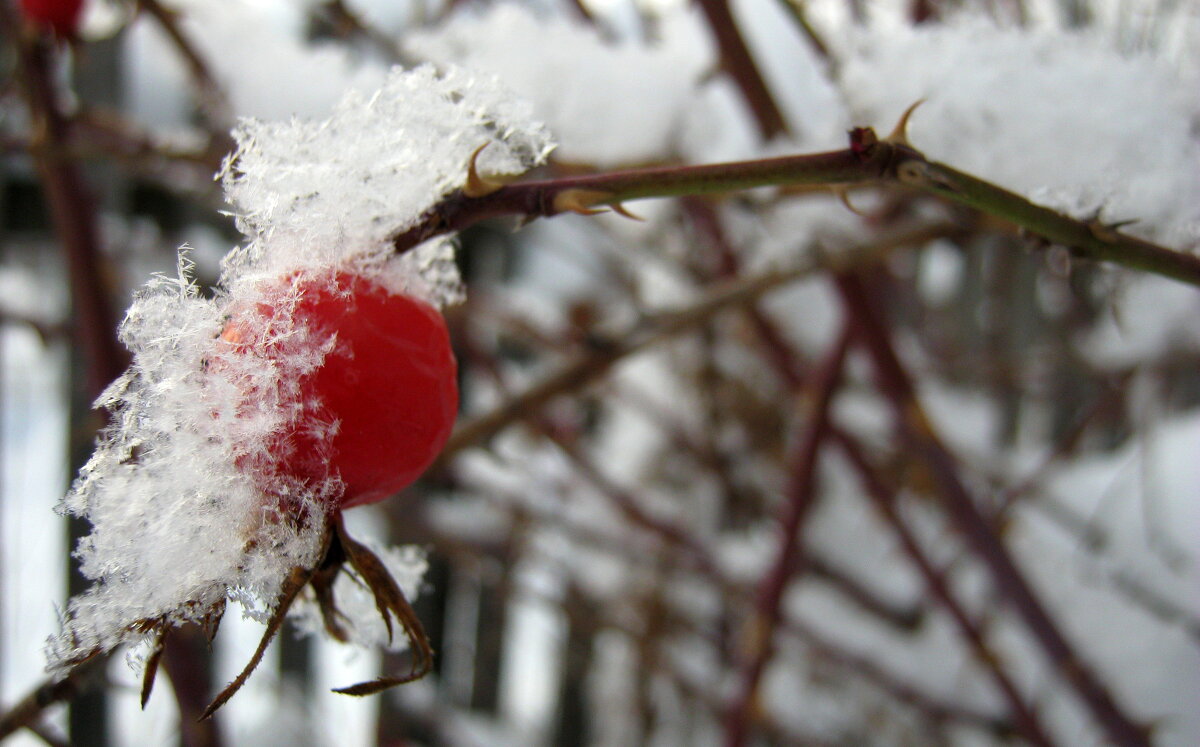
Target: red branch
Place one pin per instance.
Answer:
(738, 62)
(800, 495)
(924, 445)
(885, 500)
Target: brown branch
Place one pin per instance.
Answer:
(923, 443)
(544, 198)
(739, 64)
(885, 500)
(800, 498)
(594, 363)
(868, 160)
(346, 22)
(26, 712)
(72, 210)
(214, 104)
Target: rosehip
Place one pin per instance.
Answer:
(60, 16)
(387, 383)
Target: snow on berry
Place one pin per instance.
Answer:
(318, 376)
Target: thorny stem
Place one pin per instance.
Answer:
(800, 495)
(1090, 239)
(867, 161)
(544, 198)
(958, 503)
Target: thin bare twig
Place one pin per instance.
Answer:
(1026, 720)
(923, 443)
(739, 63)
(800, 498)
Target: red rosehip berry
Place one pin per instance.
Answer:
(60, 16)
(388, 383)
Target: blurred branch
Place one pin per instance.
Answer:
(594, 363)
(800, 498)
(799, 15)
(921, 440)
(25, 713)
(214, 103)
(72, 210)
(885, 500)
(346, 22)
(739, 64)
(71, 206)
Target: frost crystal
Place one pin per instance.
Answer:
(178, 529)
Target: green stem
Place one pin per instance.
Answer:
(1091, 238)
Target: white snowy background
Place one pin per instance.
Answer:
(1103, 118)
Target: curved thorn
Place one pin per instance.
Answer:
(899, 134)
(843, 195)
(620, 210)
(580, 201)
(477, 185)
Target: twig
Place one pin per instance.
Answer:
(923, 443)
(213, 102)
(905, 617)
(885, 500)
(594, 363)
(934, 709)
(800, 497)
(867, 160)
(26, 712)
(738, 62)
(346, 21)
(799, 15)
(1090, 239)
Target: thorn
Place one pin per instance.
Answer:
(620, 210)
(580, 201)
(480, 186)
(843, 195)
(1109, 232)
(899, 134)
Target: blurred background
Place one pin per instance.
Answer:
(681, 507)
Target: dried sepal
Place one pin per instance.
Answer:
(297, 579)
(150, 669)
(390, 600)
